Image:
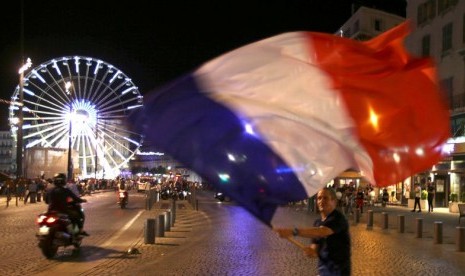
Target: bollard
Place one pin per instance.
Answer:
(357, 216)
(149, 231)
(401, 222)
(438, 232)
(168, 220)
(370, 219)
(460, 239)
(385, 220)
(161, 226)
(196, 204)
(419, 233)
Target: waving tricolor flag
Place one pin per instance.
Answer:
(276, 120)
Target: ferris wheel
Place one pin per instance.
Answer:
(79, 103)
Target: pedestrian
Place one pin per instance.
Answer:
(349, 201)
(72, 186)
(417, 198)
(330, 237)
(385, 197)
(21, 188)
(360, 199)
(31, 191)
(430, 189)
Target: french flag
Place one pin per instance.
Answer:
(276, 120)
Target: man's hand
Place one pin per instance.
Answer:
(310, 251)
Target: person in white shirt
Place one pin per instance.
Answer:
(417, 198)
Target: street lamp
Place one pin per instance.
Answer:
(96, 145)
(70, 161)
(19, 135)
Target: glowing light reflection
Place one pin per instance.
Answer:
(374, 119)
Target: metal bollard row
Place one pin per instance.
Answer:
(149, 231)
(460, 239)
(438, 232)
(370, 219)
(438, 228)
(401, 223)
(157, 227)
(385, 220)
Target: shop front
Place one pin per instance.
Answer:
(448, 177)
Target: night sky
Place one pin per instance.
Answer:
(154, 41)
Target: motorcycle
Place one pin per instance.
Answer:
(123, 199)
(183, 194)
(166, 193)
(220, 196)
(56, 230)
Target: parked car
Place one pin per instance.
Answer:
(143, 186)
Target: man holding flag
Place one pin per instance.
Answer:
(330, 234)
(274, 121)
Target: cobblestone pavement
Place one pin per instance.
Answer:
(223, 239)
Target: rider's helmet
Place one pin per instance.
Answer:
(59, 179)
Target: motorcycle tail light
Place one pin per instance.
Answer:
(40, 219)
(51, 219)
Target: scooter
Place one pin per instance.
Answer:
(56, 230)
(220, 196)
(123, 199)
(165, 193)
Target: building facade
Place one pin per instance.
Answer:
(438, 31)
(367, 23)
(7, 145)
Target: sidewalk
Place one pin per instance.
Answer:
(379, 251)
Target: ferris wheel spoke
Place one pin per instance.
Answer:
(38, 126)
(42, 130)
(59, 134)
(122, 107)
(42, 94)
(110, 98)
(45, 103)
(58, 87)
(117, 141)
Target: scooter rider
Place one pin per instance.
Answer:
(59, 199)
(121, 186)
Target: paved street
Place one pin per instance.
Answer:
(223, 239)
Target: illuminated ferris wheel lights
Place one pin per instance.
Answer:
(101, 97)
(27, 91)
(56, 67)
(34, 72)
(128, 90)
(115, 76)
(97, 67)
(134, 106)
(76, 63)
